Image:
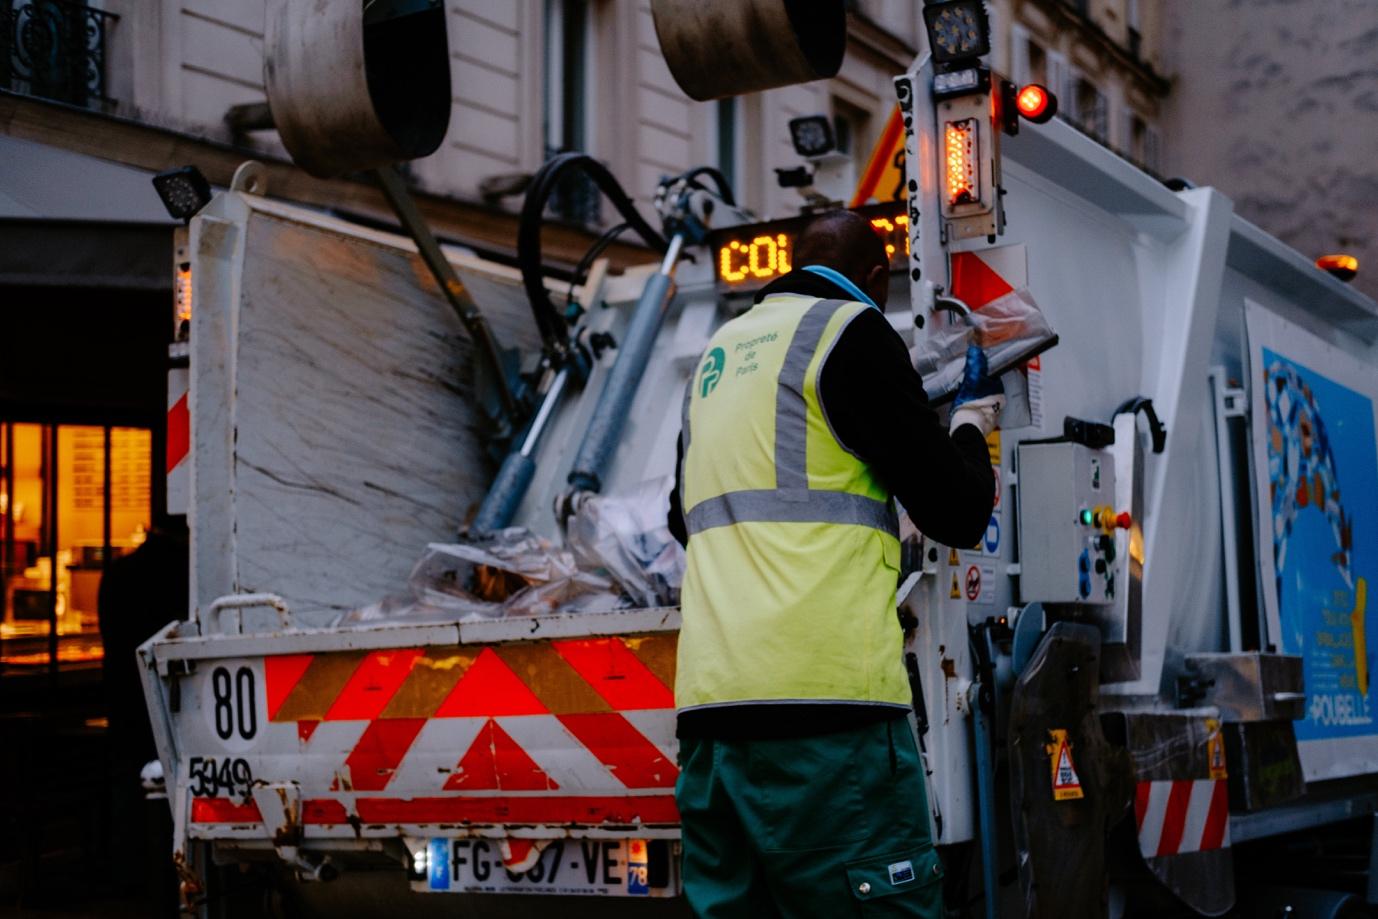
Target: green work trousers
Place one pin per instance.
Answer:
(829, 826)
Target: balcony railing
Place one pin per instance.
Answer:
(55, 49)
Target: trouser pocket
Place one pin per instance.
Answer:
(905, 882)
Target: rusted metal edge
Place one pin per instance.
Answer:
(168, 646)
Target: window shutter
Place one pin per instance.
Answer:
(1019, 55)
(1064, 77)
(1152, 153)
(997, 47)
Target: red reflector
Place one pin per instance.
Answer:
(1036, 103)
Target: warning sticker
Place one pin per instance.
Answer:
(883, 179)
(956, 592)
(1066, 782)
(973, 583)
(952, 558)
(1215, 750)
(993, 445)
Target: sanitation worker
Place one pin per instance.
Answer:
(800, 787)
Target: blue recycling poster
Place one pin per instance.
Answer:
(1322, 481)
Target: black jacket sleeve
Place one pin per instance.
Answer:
(675, 519)
(876, 405)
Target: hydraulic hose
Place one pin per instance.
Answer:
(720, 180)
(544, 183)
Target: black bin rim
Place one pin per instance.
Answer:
(407, 72)
(820, 33)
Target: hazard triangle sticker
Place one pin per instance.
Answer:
(1215, 750)
(956, 592)
(1066, 782)
(496, 762)
(490, 688)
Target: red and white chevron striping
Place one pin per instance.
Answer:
(1178, 817)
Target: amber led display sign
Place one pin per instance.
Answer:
(749, 257)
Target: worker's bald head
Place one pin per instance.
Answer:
(845, 242)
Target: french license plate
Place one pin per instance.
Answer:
(567, 867)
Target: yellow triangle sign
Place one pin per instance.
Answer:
(952, 558)
(1066, 782)
(956, 592)
(883, 179)
(1215, 750)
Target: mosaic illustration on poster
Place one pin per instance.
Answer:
(1314, 441)
(1321, 473)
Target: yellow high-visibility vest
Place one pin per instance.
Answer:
(789, 593)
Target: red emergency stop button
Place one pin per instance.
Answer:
(1124, 521)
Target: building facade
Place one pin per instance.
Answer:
(1102, 58)
(1276, 104)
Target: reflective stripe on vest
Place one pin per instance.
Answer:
(791, 501)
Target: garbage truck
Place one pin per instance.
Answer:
(1155, 658)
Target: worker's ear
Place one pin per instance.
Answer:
(877, 284)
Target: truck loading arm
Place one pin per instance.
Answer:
(491, 376)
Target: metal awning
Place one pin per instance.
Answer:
(71, 220)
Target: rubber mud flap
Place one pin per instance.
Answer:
(906, 882)
(1068, 784)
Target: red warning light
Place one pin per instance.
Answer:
(1036, 103)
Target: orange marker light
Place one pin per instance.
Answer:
(963, 177)
(1344, 267)
(181, 294)
(1036, 103)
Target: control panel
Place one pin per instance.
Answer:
(1069, 550)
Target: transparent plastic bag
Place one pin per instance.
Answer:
(1011, 329)
(511, 573)
(581, 593)
(626, 535)
(483, 575)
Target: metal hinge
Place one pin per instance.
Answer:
(1234, 402)
(1231, 400)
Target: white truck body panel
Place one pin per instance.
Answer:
(332, 417)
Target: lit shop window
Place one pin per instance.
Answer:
(72, 498)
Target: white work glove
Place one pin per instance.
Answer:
(980, 399)
(984, 413)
